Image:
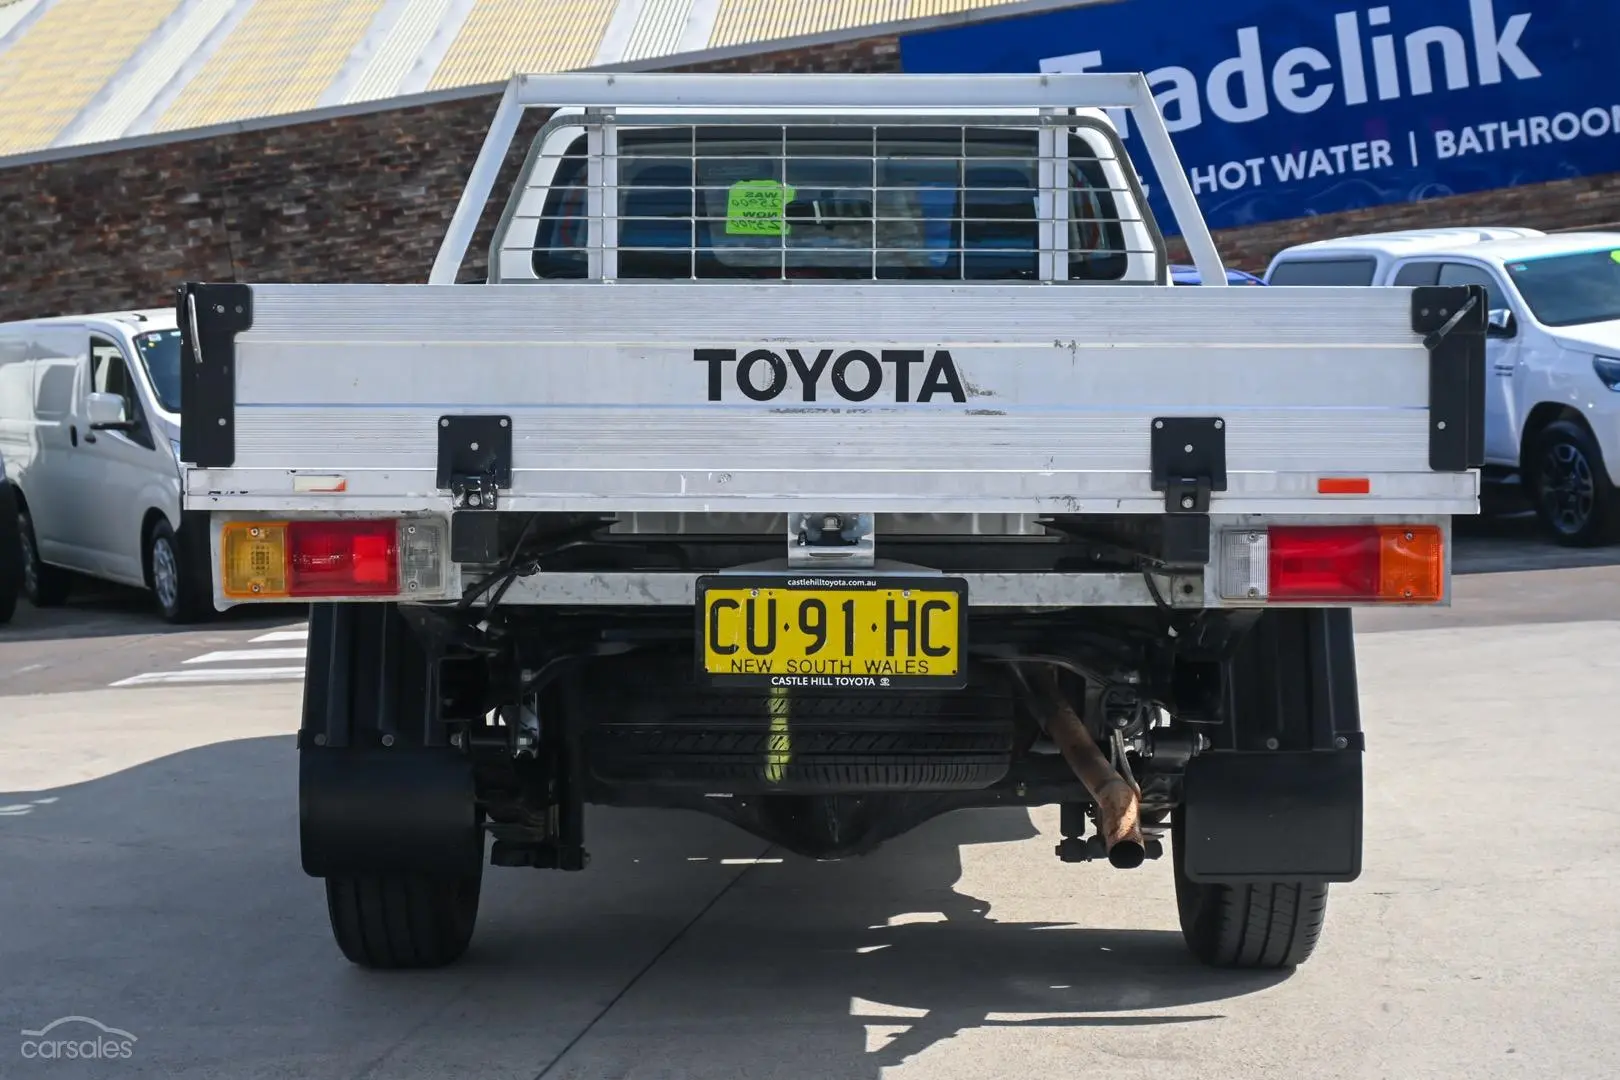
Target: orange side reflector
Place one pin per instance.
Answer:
(1343, 485)
(253, 559)
(1411, 564)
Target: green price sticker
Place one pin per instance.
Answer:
(757, 208)
(1615, 255)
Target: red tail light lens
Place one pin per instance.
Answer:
(1323, 564)
(342, 558)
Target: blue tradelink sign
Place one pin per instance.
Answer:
(1291, 108)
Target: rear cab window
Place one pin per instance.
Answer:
(1444, 271)
(1458, 273)
(1349, 271)
(1417, 273)
(855, 202)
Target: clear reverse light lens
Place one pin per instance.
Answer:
(1245, 562)
(422, 546)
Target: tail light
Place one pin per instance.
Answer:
(378, 558)
(1398, 564)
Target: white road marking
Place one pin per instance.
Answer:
(237, 655)
(19, 809)
(206, 672)
(282, 635)
(206, 675)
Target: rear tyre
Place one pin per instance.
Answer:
(1256, 926)
(1575, 501)
(368, 673)
(43, 584)
(11, 553)
(403, 921)
(181, 596)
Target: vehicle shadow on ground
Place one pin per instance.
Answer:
(865, 964)
(105, 609)
(1514, 542)
(167, 900)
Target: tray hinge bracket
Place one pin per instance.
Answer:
(1188, 463)
(475, 459)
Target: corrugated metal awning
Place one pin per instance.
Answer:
(74, 72)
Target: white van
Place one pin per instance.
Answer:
(90, 437)
(1552, 408)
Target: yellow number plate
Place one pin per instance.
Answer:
(831, 632)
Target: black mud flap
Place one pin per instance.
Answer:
(400, 810)
(1273, 817)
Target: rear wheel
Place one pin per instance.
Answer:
(44, 585)
(1574, 499)
(1257, 926)
(391, 824)
(399, 921)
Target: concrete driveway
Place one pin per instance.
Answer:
(148, 836)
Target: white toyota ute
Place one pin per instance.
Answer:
(1552, 379)
(827, 454)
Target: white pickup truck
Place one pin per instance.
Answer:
(829, 453)
(1552, 398)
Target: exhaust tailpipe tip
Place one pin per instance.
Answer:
(1127, 855)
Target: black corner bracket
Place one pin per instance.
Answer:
(1453, 321)
(475, 459)
(1188, 455)
(210, 315)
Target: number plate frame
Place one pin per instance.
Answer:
(811, 583)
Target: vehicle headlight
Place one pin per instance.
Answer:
(1608, 369)
(174, 444)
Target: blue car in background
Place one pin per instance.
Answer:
(1188, 275)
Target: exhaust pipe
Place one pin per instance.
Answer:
(1119, 802)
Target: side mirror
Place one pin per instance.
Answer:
(106, 413)
(1500, 323)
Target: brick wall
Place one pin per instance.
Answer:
(1589, 202)
(359, 199)
(367, 199)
